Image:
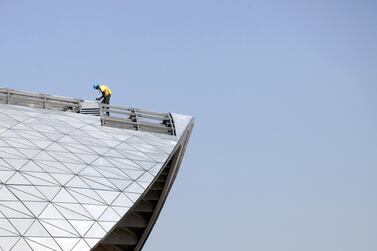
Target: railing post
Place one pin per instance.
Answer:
(101, 113)
(44, 101)
(172, 126)
(133, 118)
(137, 123)
(7, 97)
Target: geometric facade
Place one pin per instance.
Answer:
(69, 183)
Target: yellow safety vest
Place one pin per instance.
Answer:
(105, 90)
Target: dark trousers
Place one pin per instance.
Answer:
(106, 100)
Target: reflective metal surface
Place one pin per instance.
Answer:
(65, 180)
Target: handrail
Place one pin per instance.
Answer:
(10, 96)
(111, 115)
(138, 119)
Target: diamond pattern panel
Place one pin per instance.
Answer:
(65, 180)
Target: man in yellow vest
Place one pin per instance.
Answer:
(106, 94)
(105, 91)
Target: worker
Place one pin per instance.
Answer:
(106, 94)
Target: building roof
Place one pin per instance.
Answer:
(66, 181)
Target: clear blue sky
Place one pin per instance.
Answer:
(284, 152)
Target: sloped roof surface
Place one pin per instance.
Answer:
(65, 181)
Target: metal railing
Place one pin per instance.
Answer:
(38, 100)
(112, 116)
(138, 119)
